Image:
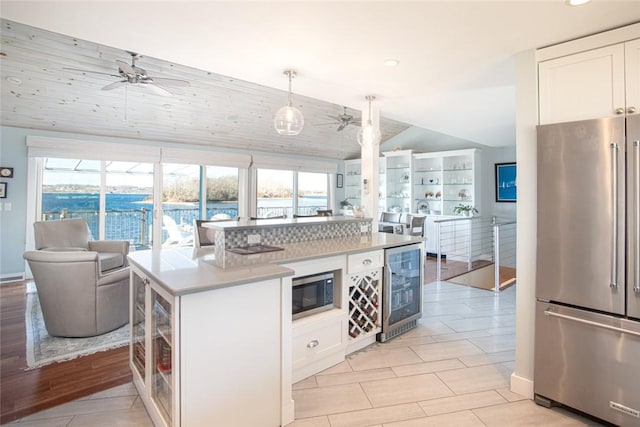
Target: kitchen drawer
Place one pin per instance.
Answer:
(317, 346)
(365, 261)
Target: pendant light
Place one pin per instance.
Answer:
(368, 134)
(289, 120)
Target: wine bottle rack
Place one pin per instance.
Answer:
(364, 303)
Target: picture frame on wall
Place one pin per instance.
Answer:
(506, 182)
(339, 180)
(3, 190)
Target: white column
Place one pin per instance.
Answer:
(526, 155)
(369, 170)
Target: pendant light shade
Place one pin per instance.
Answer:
(288, 119)
(368, 133)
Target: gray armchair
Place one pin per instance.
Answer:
(82, 292)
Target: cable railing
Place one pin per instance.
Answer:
(135, 225)
(466, 244)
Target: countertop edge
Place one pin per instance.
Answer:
(161, 265)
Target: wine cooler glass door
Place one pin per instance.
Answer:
(403, 289)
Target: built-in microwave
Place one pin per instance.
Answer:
(312, 294)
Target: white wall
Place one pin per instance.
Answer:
(489, 157)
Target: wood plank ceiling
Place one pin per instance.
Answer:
(214, 111)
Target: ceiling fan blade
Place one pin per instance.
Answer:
(126, 68)
(170, 82)
(342, 126)
(92, 72)
(114, 85)
(164, 91)
(356, 122)
(324, 124)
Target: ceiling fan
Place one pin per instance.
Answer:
(132, 74)
(343, 120)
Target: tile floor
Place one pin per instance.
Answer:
(452, 370)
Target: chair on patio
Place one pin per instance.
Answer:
(178, 234)
(83, 285)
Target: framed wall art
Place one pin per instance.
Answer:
(3, 190)
(506, 182)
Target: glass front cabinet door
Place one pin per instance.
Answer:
(152, 350)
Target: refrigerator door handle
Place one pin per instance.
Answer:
(636, 216)
(550, 312)
(614, 213)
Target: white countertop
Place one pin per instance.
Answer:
(189, 270)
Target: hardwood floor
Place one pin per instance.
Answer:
(26, 392)
(449, 268)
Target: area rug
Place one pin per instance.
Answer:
(43, 349)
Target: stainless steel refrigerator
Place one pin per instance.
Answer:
(587, 339)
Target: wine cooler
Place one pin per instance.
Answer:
(402, 295)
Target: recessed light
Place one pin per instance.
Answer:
(576, 2)
(167, 106)
(391, 62)
(14, 80)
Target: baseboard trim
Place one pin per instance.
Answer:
(522, 386)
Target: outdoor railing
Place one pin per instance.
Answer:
(474, 242)
(136, 225)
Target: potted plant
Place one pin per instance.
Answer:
(466, 210)
(345, 204)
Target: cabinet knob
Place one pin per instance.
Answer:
(631, 110)
(313, 344)
(619, 111)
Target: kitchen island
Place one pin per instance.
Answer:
(214, 345)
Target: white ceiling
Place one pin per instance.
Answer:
(456, 73)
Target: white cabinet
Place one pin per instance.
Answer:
(318, 343)
(596, 83)
(352, 182)
(443, 180)
(398, 174)
(152, 355)
(201, 352)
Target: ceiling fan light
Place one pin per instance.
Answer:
(288, 121)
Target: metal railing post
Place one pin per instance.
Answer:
(143, 228)
(439, 254)
(496, 258)
(469, 229)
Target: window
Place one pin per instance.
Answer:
(222, 192)
(71, 189)
(120, 210)
(312, 192)
(275, 193)
(129, 202)
(180, 203)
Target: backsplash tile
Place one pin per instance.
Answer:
(287, 233)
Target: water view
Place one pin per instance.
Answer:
(130, 216)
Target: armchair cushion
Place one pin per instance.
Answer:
(62, 233)
(73, 235)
